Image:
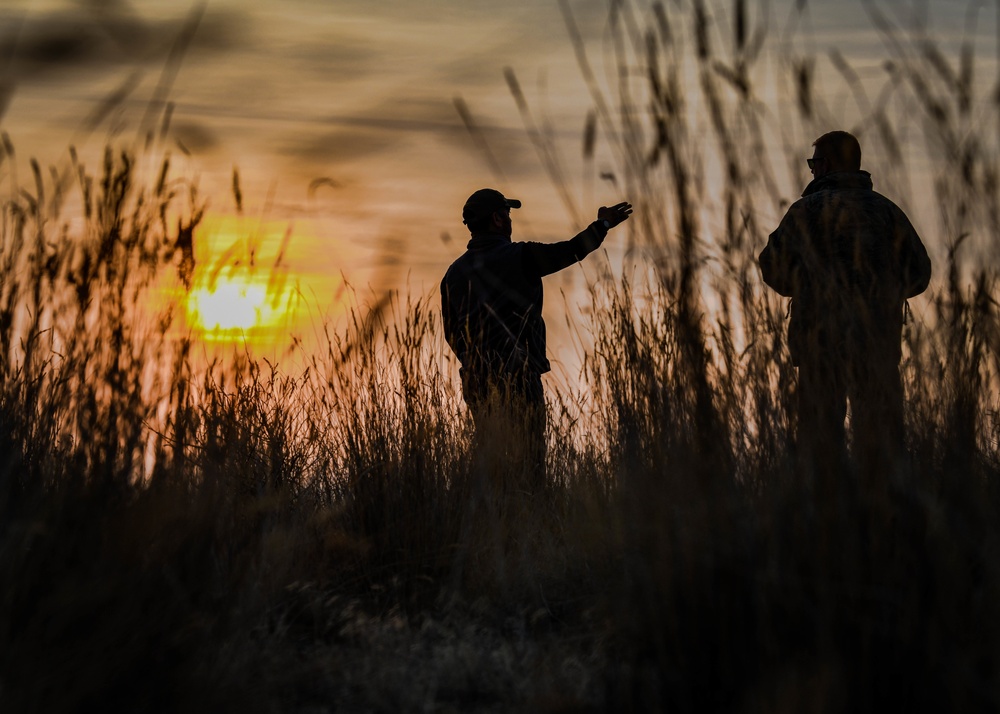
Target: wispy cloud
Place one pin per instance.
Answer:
(95, 36)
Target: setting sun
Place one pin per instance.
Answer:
(231, 306)
(243, 282)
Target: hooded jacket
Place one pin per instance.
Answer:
(491, 300)
(849, 259)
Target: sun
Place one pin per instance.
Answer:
(240, 285)
(230, 307)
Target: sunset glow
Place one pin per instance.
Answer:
(359, 130)
(234, 306)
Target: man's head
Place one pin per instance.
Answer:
(489, 210)
(835, 151)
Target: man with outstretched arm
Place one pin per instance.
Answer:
(491, 302)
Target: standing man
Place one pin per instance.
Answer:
(491, 301)
(849, 259)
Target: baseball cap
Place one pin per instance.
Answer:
(484, 202)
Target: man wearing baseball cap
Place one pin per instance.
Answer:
(491, 300)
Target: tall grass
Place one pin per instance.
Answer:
(764, 587)
(184, 537)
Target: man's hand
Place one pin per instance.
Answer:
(616, 214)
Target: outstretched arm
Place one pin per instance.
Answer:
(547, 258)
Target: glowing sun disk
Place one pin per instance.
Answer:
(229, 306)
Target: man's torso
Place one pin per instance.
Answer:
(842, 254)
(492, 308)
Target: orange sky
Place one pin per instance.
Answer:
(363, 94)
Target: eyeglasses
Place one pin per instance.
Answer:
(811, 163)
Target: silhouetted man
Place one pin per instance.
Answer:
(491, 300)
(849, 259)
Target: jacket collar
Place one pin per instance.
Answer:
(840, 181)
(485, 241)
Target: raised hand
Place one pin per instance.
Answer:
(615, 214)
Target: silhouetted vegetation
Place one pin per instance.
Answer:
(181, 537)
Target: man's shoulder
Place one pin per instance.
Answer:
(874, 204)
(859, 197)
(458, 270)
(885, 201)
(492, 258)
(796, 211)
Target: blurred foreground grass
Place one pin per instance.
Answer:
(181, 537)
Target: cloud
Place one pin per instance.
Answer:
(374, 129)
(344, 144)
(341, 57)
(103, 36)
(56, 42)
(195, 137)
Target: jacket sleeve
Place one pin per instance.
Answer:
(543, 259)
(781, 260)
(915, 265)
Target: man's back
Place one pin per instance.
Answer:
(849, 258)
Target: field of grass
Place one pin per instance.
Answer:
(181, 537)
